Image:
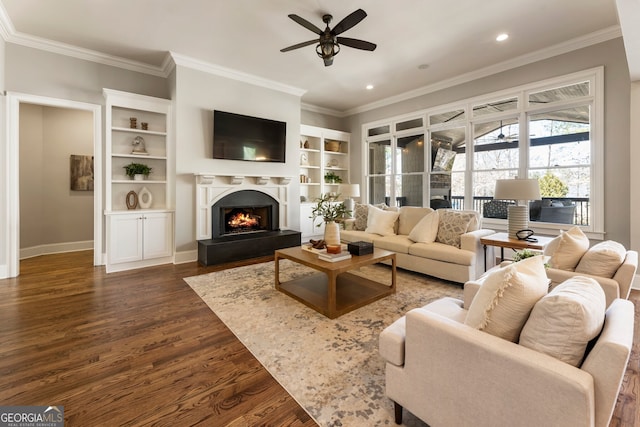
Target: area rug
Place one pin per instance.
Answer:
(332, 368)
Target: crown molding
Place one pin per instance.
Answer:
(321, 110)
(196, 64)
(604, 35)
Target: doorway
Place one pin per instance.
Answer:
(14, 101)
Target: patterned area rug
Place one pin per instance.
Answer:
(331, 367)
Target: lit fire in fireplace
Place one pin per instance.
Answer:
(243, 220)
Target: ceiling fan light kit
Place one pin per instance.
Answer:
(328, 44)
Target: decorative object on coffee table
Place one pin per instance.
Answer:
(517, 190)
(329, 209)
(140, 169)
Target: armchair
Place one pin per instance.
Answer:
(448, 373)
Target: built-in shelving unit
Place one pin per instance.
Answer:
(322, 151)
(138, 237)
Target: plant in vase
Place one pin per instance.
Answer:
(137, 171)
(332, 178)
(329, 209)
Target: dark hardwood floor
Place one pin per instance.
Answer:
(141, 348)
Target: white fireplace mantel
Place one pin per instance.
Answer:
(210, 187)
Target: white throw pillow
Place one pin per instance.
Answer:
(507, 295)
(381, 222)
(563, 322)
(602, 259)
(571, 245)
(426, 229)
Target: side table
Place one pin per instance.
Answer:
(502, 240)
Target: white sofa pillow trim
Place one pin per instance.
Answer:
(426, 230)
(381, 222)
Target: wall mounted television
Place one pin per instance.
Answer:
(239, 137)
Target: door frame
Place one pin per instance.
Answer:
(12, 173)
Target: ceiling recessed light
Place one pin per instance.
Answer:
(423, 66)
(502, 37)
(369, 87)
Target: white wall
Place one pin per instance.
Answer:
(197, 94)
(611, 54)
(634, 160)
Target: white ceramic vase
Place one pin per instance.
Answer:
(332, 233)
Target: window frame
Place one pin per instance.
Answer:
(595, 99)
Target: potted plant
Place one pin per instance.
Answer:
(137, 171)
(330, 210)
(332, 178)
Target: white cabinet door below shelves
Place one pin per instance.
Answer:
(125, 238)
(157, 235)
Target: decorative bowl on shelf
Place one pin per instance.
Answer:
(331, 145)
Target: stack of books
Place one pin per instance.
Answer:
(334, 257)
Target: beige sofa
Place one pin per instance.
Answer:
(445, 261)
(448, 373)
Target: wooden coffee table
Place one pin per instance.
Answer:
(334, 291)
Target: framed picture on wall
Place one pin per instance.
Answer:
(81, 173)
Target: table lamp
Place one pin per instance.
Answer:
(348, 192)
(517, 190)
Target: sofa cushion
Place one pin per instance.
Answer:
(505, 299)
(567, 249)
(409, 217)
(395, 243)
(563, 322)
(356, 236)
(426, 230)
(451, 225)
(442, 252)
(381, 222)
(603, 259)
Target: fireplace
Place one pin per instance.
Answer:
(244, 211)
(244, 224)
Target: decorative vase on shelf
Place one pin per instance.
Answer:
(145, 198)
(332, 233)
(138, 177)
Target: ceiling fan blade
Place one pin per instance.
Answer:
(348, 22)
(296, 46)
(358, 44)
(308, 25)
(328, 61)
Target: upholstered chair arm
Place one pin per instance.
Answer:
(607, 360)
(447, 363)
(471, 242)
(626, 272)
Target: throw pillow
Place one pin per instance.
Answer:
(564, 321)
(426, 229)
(571, 245)
(360, 214)
(602, 259)
(507, 295)
(451, 225)
(381, 222)
(409, 217)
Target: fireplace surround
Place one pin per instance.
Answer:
(259, 203)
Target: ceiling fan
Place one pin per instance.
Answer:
(502, 137)
(328, 45)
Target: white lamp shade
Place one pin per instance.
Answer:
(348, 191)
(517, 189)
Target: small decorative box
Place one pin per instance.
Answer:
(360, 248)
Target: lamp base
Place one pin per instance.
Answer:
(349, 204)
(518, 217)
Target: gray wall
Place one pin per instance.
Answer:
(197, 95)
(611, 54)
(50, 213)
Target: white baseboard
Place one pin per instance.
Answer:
(55, 248)
(186, 256)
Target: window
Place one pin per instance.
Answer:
(548, 130)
